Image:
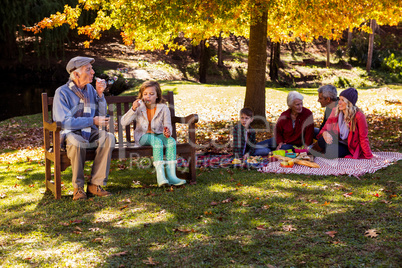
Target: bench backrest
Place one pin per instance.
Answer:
(117, 107)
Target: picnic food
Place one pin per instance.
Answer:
(298, 161)
(303, 156)
(287, 164)
(165, 132)
(236, 161)
(254, 159)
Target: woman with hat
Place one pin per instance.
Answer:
(345, 132)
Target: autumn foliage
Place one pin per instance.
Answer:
(154, 24)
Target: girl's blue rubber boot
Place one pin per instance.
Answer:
(171, 174)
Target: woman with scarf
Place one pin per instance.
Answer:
(345, 132)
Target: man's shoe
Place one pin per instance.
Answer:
(79, 193)
(97, 190)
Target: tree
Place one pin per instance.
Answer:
(328, 53)
(16, 13)
(371, 45)
(220, 58)
(154, 24)
(204, 61)
(275, 61)
(255, 85)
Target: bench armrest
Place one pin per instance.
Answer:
(190, 120)
(54, 126)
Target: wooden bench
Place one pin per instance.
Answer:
(124, 148)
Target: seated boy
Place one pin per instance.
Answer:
(244, 135)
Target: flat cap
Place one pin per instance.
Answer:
(78, 62)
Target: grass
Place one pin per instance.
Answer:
(183, 228)
(230, 218)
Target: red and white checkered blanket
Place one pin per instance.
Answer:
(339, 166)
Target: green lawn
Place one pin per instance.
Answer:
(230, 218)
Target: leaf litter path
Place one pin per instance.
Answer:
(218, 108)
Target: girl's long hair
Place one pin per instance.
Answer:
(153, 84)
(349, 113)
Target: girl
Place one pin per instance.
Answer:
(345, 132)
(154, 128)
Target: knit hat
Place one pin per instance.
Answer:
(78, 62)
(350, 94)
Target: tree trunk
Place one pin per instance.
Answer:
(371, 45)
(274, 61)
(195, 53)
(257, 60)
(328, 52)
(204, 59)
(220, 59)
(350, 36)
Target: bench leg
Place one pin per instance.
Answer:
(48, 176)
(192, 168)
(53, 186)
(57, 180)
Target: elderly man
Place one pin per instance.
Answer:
(327, 96)
(81, 110)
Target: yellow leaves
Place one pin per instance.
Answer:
(87, 43)
(326, 203)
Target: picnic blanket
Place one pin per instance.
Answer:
(339, 166)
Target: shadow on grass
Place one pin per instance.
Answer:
(229, 218)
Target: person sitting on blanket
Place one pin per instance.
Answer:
(244, 135)
(295, 127)
(154, 127)
(345, 132)
(328, 97)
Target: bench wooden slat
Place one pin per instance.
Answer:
(128, 133)
(124, 148)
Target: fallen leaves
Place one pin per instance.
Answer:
(331, 233)
(214, 203)
(261, 227)
(119, 254)
(150, 261)
(348, 194)
(288, 228)
(265, 207)
(371, 233)
(184, 230)
(326, 203)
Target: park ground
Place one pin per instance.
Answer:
(230, 217)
